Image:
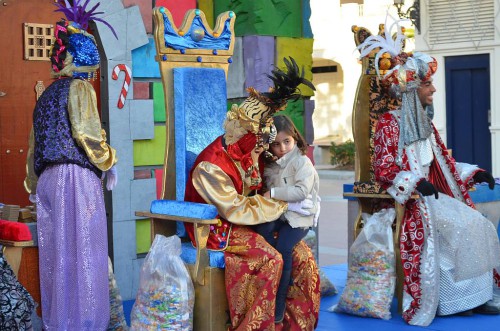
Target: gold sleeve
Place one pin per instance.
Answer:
(31, 179)
(216, 188)
(86, 125)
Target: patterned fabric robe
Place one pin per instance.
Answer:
(253, 267)
(16, 304)
(422, 259)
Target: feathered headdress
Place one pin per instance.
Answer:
(254, 115)
(75, 53)
(286, 84)
(406, 70)
(384, 43)
(78, 14)
(250, 124)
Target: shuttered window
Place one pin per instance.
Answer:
(454, 21)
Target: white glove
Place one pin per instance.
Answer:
(299, 207)
(112, 175)
(32, 198)
(316, 216)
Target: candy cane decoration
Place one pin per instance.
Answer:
(126, 83)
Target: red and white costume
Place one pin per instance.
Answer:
(445, 272)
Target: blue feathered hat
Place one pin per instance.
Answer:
(75, 52)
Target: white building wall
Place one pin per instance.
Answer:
(334, 44)
(489, 45)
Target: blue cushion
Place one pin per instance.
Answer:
(183, 209)
(188, 255)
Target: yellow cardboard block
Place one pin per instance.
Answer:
(151, 151)
(301, 50)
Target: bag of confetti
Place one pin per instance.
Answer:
(117, 320)
(371, 276)
(165, 298)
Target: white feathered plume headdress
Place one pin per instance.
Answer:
(406, 70)
(385, 43)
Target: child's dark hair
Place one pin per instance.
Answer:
(284, 123)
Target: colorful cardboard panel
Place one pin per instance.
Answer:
(141, 119)
(159, 182)
(207, 7)
(306, 15)
(177, 8)
(301, 50)
(295, 110)
(263, 17)
(143, 61)
(236, 72)
(159, 102)
(150, 152)
(145, 9)
(236, 101)
(143, 236)
(258, 59)
(141, 90)
(308, 122)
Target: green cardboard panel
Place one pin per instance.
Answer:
(151, 151)
(264, 17)
(295, 110)
(207, 7)
(142, 236)
(235, 101)
(159, 102)
(301, 50)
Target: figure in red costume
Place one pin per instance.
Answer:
(227, 174)
(448, 249)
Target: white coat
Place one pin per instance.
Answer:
(293, 178)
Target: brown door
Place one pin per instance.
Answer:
(18, 78)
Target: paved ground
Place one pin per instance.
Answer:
(333, 218)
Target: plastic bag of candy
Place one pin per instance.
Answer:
(117, 320)
(165, 298)
(371, 276)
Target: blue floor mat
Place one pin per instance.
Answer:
(329, 321)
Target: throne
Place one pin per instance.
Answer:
(194, 61)
(370, 102)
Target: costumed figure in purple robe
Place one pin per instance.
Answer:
(67, 160)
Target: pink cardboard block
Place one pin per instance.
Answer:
(159, 182)
(177, 8)
(141, 90)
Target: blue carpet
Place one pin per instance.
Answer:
(329, 321)
(127, 309)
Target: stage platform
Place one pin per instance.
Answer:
(329, 321)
